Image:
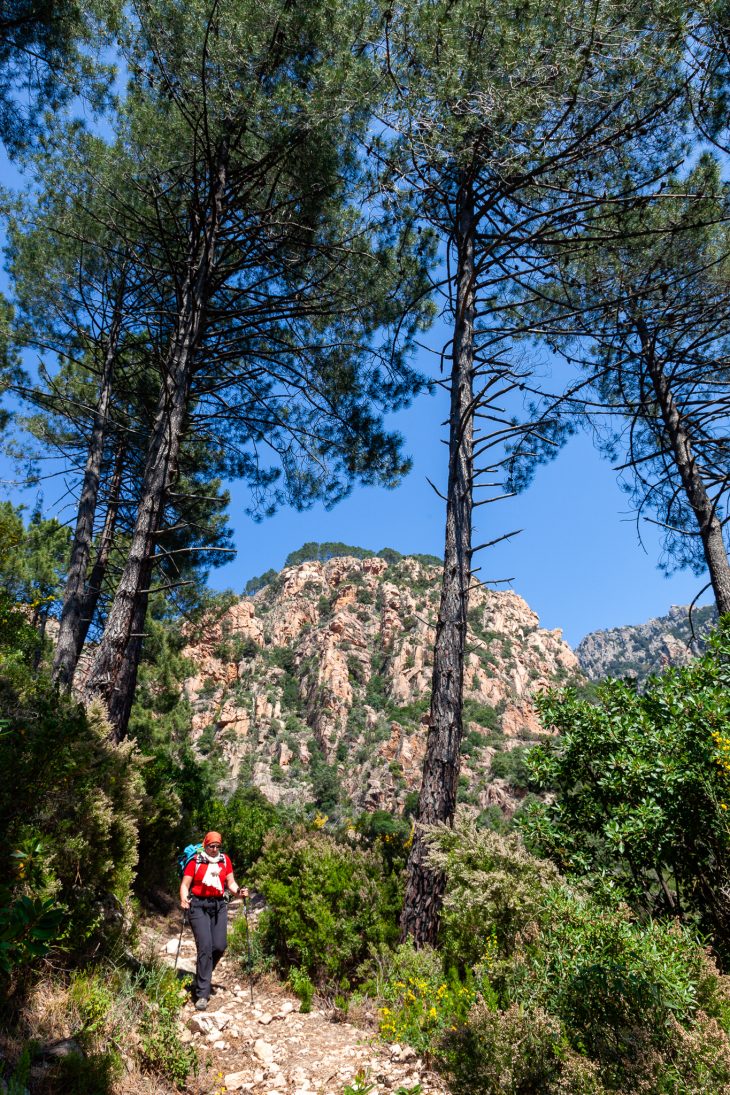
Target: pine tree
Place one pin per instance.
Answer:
(506, 120)
(282, 312)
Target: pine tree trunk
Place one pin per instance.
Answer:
(708, 522)
(437, 800)
(103, 679)
(106, 540)
(68, 645)
(109, 677)
(122, 698)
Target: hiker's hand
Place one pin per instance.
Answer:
(243, 892)
(184, 902)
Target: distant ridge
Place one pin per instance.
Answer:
(639, 650)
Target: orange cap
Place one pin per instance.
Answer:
(209, 838)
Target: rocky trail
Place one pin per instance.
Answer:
(269, 1047)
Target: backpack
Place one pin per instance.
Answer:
(192, 851)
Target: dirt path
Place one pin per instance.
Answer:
(271, 1048)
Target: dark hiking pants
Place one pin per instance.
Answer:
(209, 920)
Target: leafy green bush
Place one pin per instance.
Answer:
(421, 1002)
(243, 821)
(512, 765)
(29, 925)
(613, 982)
(495, 890)
(72, 790)
(302, 987)
(620, 1003)
(110, 1005)
(327, 903)
(642, 786)
(505, 1053)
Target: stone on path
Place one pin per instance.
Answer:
(237, 1081)
(263, 1051)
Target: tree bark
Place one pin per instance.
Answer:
(708, 522)
(437, 799)
(68, 646)
(106, 540)
(108, 676)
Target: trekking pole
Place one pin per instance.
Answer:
(248, 948)
(179, 942)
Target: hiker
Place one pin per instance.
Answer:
(204, 882)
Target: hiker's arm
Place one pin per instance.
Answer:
(185, 891)
(234, 887)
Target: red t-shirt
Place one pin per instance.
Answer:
(204, 875)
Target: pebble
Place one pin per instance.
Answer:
(263, 1051)
(234, 1081)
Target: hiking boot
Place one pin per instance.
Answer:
(201, 1004)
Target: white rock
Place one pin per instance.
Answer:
(265, 1019)
(220, 1044)
(171, 946)
(286, 1008)
(258, 1076)
(234, 1081)
(263, 1051)
(220, 1019)
(199, 1024)
(408, 1053)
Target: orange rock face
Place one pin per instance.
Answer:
(337, 657)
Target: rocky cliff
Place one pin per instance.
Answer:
(328, 669)
(646, 648)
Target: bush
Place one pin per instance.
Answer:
(302, 987)
(642, 788)
(243, 822)
(73, 791)
(421, 1002)
(512, 766)
(621, 1003)
(495, 890)
(326, 904)
(505, 1053)
(613, 982)
(112, 1006)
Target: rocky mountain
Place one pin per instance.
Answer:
(317, 687)
(647, 648)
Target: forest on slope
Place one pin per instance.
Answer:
(240, 222)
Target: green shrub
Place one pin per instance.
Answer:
(72, 790)
(496, 889)
(612, 981)
(512, 766)
(421, 1003)
(642, 786)
(243, 822)
(504, 1053)
(109, 1006)
(623, 1002)
(327, 903)
(302, 987)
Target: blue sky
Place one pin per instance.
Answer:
(578, 563)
